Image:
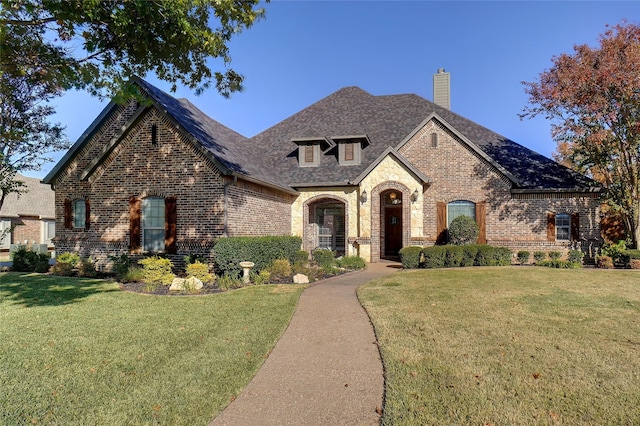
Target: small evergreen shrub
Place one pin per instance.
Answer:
(463, 230)
(523, 257)
(301, 257)
(281, 268)
(134, 274)
(560, 264)
(157, 270)
(469, 253)
(200, 271)
(485, 256)
(66, 264)
(72, 258)
(454, 256)
(26, 260)
(555, 255)
(434, 256)
(229, 281)
(263, 277)
(539, 256)
(614, 251)
(86, 268)
(502, 256)
(351, 262)
(575, 256)
(324, 258)
(120, 264)
(262, 251)
(604, 262)
(410, 257)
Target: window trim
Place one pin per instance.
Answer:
(307, 150)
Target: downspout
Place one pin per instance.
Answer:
(225, 232)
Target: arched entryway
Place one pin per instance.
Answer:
(390, 220)
(326, 224)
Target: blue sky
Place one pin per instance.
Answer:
(306, 50)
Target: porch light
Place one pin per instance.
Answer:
(363, 196)
(414, 196)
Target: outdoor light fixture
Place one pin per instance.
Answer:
(414, 196)
(363, 196)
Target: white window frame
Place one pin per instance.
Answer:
(153, 222)
(79, 213)
(5, 242)
(563, 227)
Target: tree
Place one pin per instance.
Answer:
(593, 98)
(49, 46)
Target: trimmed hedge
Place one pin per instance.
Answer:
(410, 257)
(451, 256)
(262, 251)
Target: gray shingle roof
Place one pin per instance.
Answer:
(39, 200)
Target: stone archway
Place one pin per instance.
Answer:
(378, 216)
(326, 223)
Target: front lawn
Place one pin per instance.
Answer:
(80, 351)
(508, 346)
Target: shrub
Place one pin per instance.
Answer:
(301, 258)
(86, 268)
(575, 256)
(324, 258)
(523, 257)
(469, 253)
(410, 257)
(134, 274)
(156, 270)
(434, 256)
(200, 271)
(120, 264)
(66, 264)
(628, 255)
(351, 262)
(26, 260)
(614, 251)
(281, 268)
(493, 256)
(261, 278)
(539, 256)
(463, 230)
(555, 255)
(561, 264)
(262, 251)
(228, 281)
(453, 258)
(604, 262)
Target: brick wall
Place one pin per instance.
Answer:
(518, 220)
(171, 167)
(27, 229)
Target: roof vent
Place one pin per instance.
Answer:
(442, 88)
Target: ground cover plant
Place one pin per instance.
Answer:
(80, 351)
(508, 345)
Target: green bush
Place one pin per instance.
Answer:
(86, 268)
(229, 281)
(66, 264)
(469, 253)
(71, 258)
(523, 257)
(281, 268)
(351, 262)
(264, 277)
(200, 271)
(120, 264)
(575, 256)
(561, 264)
(555, 255)
(324, 258)
(410, 257)
(156, 270)
(134, 274)
(454, 256)
(539, 256)
(493, 256)
(614, 251)
(434, 256)
(26, 260)
(262, 251)
(463, 230)
(301, 258)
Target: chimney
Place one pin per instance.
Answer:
(442, 88)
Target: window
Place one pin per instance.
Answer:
(563, 227)
(48, 231)
(153, 224)
(434, 140)
(460, 208)
(5, 233)
(79, 214)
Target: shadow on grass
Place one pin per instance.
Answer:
(47, 290)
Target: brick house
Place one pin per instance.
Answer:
(361, 174)
(30, 216)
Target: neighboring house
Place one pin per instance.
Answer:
(360, 174)
(29, 215)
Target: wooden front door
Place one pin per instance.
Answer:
(392, 231)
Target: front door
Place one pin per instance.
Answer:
(392, 231)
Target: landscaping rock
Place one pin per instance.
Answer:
(300, 279)
(192, 283)
(177, 284)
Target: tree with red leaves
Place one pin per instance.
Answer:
(593, 99)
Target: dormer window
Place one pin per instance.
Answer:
(310, 150)
(350, 148)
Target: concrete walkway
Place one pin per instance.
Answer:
(325, 369)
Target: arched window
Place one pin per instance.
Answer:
(460, 208)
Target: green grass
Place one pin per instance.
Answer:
(80, 352)
(508, 346)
